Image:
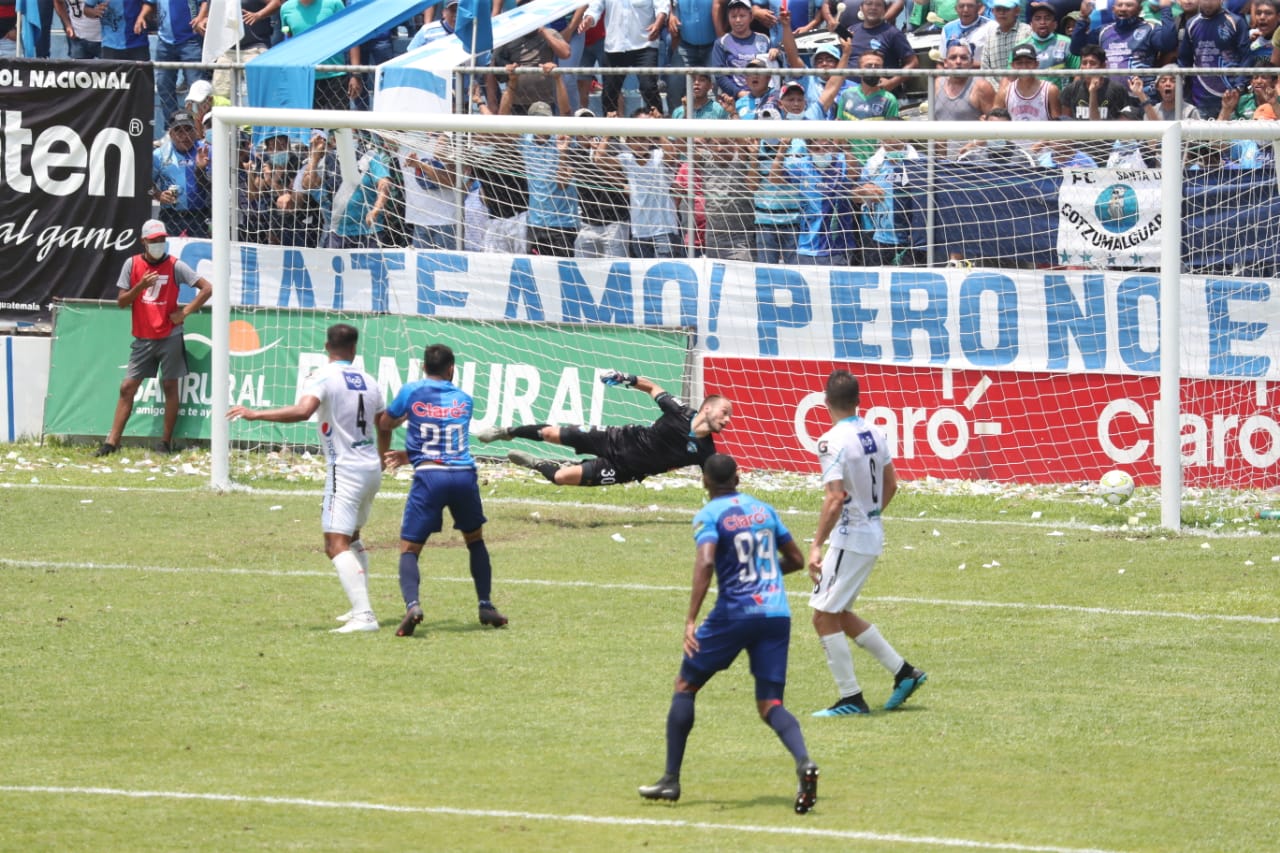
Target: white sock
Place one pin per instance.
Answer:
(840, 662)
(880, 649)
(357, 548)
(353, 582)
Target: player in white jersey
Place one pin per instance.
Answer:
(347, 402)
(858, 482)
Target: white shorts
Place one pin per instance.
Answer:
(348, 497)
(843, 574)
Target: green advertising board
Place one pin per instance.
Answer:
(517, 372)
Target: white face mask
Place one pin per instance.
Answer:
(823, 161)
(156, 251)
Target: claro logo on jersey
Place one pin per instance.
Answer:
(429, 410)
(744, 521)
(58, 161)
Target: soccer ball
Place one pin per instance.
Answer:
(1116, 487)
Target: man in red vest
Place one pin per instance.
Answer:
(149, 284)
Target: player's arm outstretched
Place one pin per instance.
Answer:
(298, 412)
(631, 380)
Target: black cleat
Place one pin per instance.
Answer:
(807, 793)
(491, 616)
(105, 450)
(666, 788)
(412, 619)
(164, 447)
(847, 706)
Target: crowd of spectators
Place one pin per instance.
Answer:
(770, 200)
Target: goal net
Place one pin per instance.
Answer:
(1003, 296)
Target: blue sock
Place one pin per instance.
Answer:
(784, 723)
(679, 724)
(410, 580)
(481, 569)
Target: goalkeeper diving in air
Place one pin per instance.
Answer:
(682, 436)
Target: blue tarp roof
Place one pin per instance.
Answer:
(285, 75)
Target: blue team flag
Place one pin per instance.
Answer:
(30, 33)
(474, 25)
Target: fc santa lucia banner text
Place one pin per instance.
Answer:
(75, 168)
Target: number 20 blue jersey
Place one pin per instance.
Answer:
(748, 534)
(439, 422)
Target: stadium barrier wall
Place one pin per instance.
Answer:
(554, 378)
(24, 378)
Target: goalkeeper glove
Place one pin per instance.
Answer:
(617, 378)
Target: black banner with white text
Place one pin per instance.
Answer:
(75, 171)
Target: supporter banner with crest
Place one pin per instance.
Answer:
(1109, 218)
(75, 170)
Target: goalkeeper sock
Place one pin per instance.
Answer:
(410, 580)
(481, 569)
(533, 432)
(880, 649)
(840, 662)
(353, 581)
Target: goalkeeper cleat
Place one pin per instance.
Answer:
(545, 467)
(524, 460)
(666, 788)
(412, 619)
(491, 616)
(848, 706)
(807, 792)
(105, 450)
(359, 623)
(493, 433)
(904, 687)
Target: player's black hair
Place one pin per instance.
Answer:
(342, 337)
(720, 469)
(437, 359)
(842, 390)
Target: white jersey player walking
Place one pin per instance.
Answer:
(858, 482)
(346, 401)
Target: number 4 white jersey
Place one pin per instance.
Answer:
(855, 453)
(350, 400)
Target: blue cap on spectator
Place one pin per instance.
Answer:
(1006, 4)
(833, 51)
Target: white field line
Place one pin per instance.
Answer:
(657, 588)
(595, 820)
(635, 509)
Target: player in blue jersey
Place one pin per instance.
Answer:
(437, 444)
(743, 543)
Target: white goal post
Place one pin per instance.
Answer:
(1165, 427)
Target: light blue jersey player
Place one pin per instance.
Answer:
(746, 547)
(437, 415)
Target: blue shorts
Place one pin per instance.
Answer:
(720, 641)
(434, 490)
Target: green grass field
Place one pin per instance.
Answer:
(1095, 683)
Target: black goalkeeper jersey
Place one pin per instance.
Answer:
(641, 451)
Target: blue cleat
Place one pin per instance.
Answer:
(854, 704)
(903, 689)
